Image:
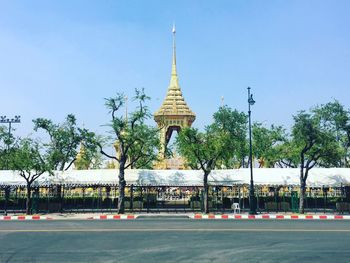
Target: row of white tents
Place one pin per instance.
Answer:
(318, 177)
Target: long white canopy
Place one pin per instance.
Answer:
(262, 176)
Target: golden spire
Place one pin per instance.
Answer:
(174, 82)
(174, 103)
(173, 68)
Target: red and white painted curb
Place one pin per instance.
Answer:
(115, 217)
(33, 217)
(192, 216)
(38, 217)
(269, 216)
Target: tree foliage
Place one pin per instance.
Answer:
(31, 161)
(312, 143)
(65, 139)
(214, 146)
(136, 143)
(3, 148)
(334, 117)
(267, 144)
(6, 140)
(235, 123)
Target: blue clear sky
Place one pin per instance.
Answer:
(60, 57)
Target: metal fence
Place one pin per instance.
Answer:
(100, 198)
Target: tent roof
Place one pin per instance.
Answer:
(262, 176)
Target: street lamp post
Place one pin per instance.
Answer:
(252, 200)
(4, 119)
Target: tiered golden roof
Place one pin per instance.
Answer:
(174, 103)
(173, 115)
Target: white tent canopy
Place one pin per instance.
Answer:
(262, 176)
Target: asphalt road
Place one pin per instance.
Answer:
(175, 240)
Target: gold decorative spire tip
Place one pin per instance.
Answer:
(174, 103)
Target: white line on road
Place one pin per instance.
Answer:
(174, 230)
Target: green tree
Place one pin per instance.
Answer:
(6, 140)
(3, 148)
(136, 143)
(336, 118)
(312, 143)
(65, 139)
(31, 161)
(267, 144)
(3, 137)
(235, 123)
(214, 146)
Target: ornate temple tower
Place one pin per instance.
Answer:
(174, 114)
(81, 162)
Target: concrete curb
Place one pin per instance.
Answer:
(190, 216)
(269, 216)
(33, 217)
(115, 217)
(38, 217)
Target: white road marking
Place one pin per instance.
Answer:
(174, 230)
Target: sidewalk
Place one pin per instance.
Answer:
(195, 216)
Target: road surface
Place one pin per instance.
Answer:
(175, 240)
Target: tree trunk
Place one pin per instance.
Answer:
(62, 166)
(122, 183)
(302, 195)
(302, 184)
(206, 193)
(346, 162)
(29, 200)
(243, 163)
